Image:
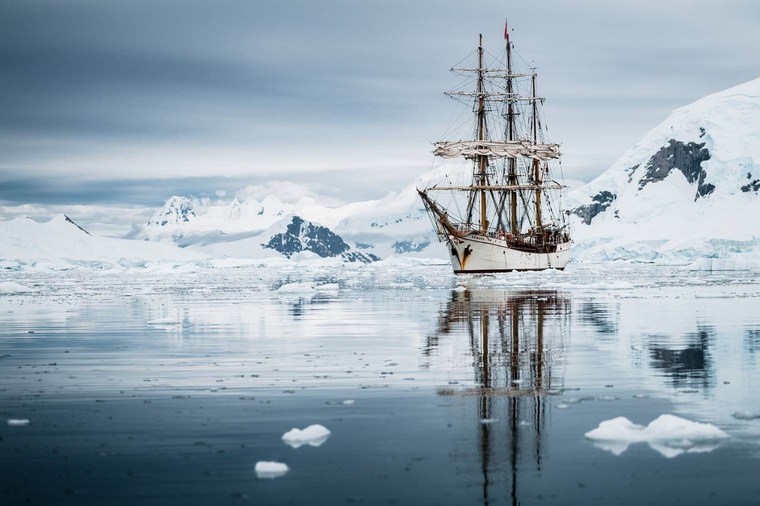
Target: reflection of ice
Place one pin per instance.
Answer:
(668, 434)
(313, 435)
(169, 320)
(745, 415)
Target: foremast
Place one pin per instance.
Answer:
(512, 162)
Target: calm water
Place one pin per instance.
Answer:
(127, 412)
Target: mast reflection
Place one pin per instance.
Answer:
(516, 340)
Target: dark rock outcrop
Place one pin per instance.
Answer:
(752, 186)
(686, 158)
(302, 235)
(76, 225)
(409, 246)
(601, 201)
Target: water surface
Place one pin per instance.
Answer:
(471, 394)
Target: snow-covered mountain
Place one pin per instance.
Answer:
(62, 244)
(301, 235)
(688, 190)
(396, 224)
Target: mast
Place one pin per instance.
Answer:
(536, 169)
(512, 180)
(482, 160)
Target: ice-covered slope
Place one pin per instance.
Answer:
(687, 191)
(61, 243)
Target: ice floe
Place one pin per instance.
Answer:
(13, 288)
(270, 470)
(18, 422)
(296, 289)
(313, 435)
(669, 435)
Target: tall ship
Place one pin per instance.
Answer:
(499, 203)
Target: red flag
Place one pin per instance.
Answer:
(506, 31)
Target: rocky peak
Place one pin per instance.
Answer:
(177, 210)
(301, 235)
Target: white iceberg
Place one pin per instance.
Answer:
(670, 435)
(313, 435)
(270, 470)
(18, 422)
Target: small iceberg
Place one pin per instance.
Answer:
(270, 470)
(313, 435)
(669, 435)
(18, 422)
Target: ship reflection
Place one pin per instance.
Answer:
(516, 342)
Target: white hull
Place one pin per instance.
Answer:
(477, 253)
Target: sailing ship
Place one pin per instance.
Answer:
(508, 215)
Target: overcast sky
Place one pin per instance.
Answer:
(127, 103)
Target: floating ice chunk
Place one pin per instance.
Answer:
(668, 434)
(745, 415)
(296, 289)
(313, 435)
(18, 422)
(12, 288)
(486, 421)
(348, 402)
(168, 320)
(270, 470)
(460, 289)
(563, 406)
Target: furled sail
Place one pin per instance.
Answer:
(496, 149)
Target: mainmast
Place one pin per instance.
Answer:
(481, 161)
(512, 162)
(536, 168)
